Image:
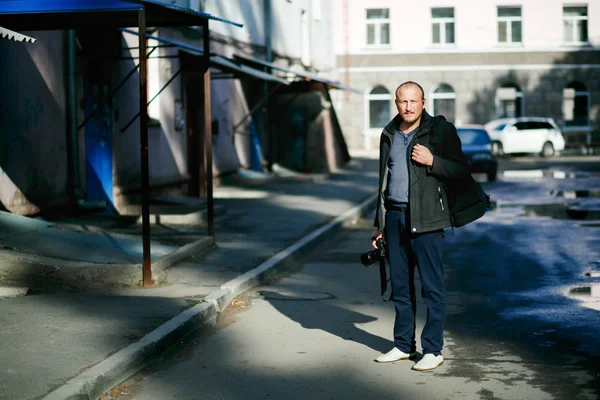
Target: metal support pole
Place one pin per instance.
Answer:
(147, 266)
(73, 138)
(208, 132)
(269, 135)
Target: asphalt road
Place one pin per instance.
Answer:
(570, 163)
(521, 323)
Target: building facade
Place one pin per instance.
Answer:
(476, 60)
(297, 35)
(69, 104)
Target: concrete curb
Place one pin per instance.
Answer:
(26, 266)
(195, 217)
(195, 248)
(120, 366)
(13, 291)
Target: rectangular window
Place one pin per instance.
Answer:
(575, 24)
(378, 27)
(576, 108)
(510, 25)
(442, 25)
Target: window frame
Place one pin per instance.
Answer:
(518, 99)
(374, 132)
(378, 23)
(575, 20)
(577, 93)
(433, 96)
(509, 21)
(443, 21)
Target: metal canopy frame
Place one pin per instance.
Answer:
(15, 36)
(90, 14)
(330, 84)
(219, 61)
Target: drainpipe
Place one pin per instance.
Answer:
(268, 25)
(268, 58)
(72, 137)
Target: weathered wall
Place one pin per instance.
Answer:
(166, 143)
(33, 150)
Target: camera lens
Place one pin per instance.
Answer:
(370, 257)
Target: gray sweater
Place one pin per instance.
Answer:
(398, 180)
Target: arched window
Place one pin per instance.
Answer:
(576, 105)
(509, 101)
(379, 106)
(443, 102)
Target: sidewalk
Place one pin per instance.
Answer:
(60, 342)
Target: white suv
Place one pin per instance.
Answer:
(525, 135)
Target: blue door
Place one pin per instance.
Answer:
(98, 145)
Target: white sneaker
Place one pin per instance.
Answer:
(394, 355)
(429, 361)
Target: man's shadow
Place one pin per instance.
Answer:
(338, 321)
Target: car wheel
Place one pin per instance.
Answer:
(547, 150)
(491, 176)
(497, 149)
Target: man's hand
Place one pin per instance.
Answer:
(422, 155)
(377, 235)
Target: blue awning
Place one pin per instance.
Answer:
(26, 15)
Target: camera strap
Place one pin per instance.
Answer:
(383, 279)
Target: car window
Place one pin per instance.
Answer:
(521, 126)
(499, 127)
(473, 136)
(545, 125)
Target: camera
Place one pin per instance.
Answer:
(371, 257)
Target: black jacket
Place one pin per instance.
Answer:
(427, 194)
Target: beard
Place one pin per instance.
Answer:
(410, 118)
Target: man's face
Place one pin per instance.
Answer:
(410, 103)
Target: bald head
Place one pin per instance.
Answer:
(410, 102)
(413, 85)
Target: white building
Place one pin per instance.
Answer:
(476, 60)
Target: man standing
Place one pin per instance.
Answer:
(418, 155)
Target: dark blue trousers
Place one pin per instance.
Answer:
(405, 251)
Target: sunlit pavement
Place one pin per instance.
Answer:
(528, 261)
(55, 333)
(522, 316)
(511, 333)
